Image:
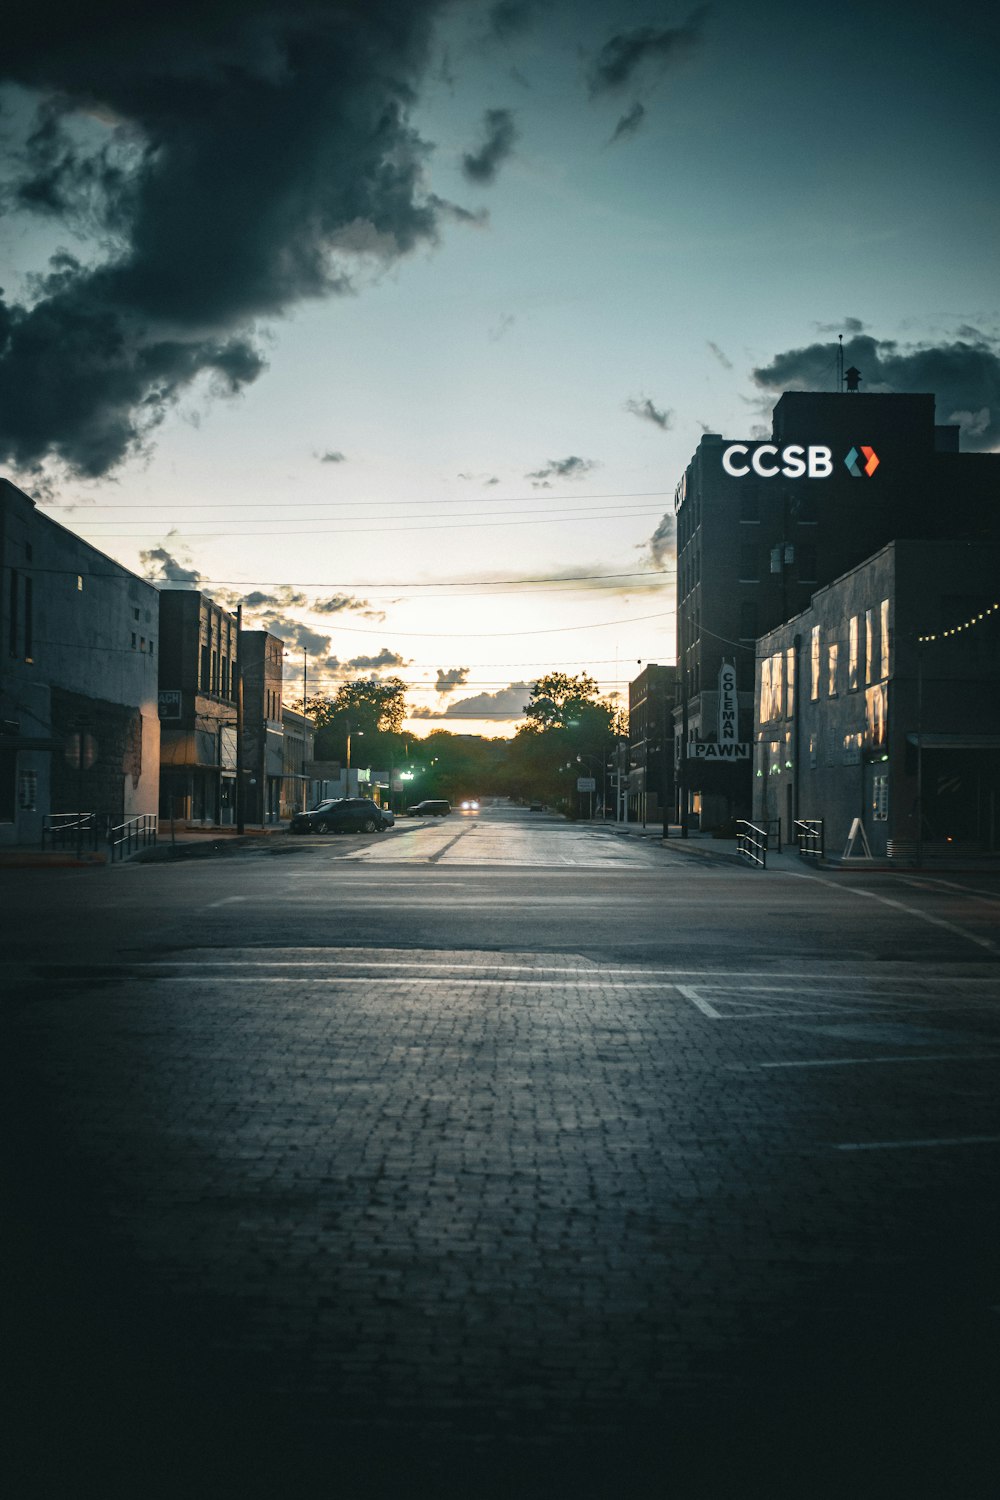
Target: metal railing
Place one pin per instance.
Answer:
(74, 830)
(751, 843)
(135, 833)
(809, 837)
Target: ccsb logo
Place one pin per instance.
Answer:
(795, 461)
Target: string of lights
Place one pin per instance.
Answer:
(976, 619)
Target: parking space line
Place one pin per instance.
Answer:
(851, 1062)
(690, 993)
(954, 1140)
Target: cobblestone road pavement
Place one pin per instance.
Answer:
(376, 1210)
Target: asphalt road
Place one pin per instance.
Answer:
(497, 1156)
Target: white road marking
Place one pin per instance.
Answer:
(851, 1062)
(952, 885)
(411, 979)
(954, 1140)
(706, 1009)
(226, 901)
(911, 911)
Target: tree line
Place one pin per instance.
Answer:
(569, 730)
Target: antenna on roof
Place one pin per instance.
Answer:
(840, 362)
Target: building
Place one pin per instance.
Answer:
(78, 678)
(197, 698)
(298, 733)
(881, 702)
(263, 753)
(650, 735)
(763, 523)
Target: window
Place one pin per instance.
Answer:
(79, 583)
(150, 645)
(884, 638)
(853, 635)
(748, 562)
(790, 682)
(133, 640)
(28, 595)
(748, 622)
(869, 646)
(204, 678)
(814, 664)
(875, 716)
(880, 798)
(135, 614)
(832, 660)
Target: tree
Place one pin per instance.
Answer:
(557, 700)
(370, 707)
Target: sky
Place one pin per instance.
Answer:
(399, 322)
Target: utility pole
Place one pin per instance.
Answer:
(240, 809)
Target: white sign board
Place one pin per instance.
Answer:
(709, 750)
(728, 729)
(586, 784)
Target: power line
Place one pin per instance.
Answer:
(259, 583)
(366, 530)
(325, 504)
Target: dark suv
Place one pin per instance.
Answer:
(429, 810)
(342, 815)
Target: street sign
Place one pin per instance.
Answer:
(169, 703)
(586, 784)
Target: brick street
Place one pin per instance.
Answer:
(502, 1159)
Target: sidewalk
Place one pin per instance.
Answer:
(703, 845)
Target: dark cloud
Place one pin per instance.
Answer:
(451, 678)
(238, 157)
(723, 359)
(333, 456)
(561, 468)
(503, 324)
(964, 376)
(294, 634)
(500, 134)
(282, 598)
(508, 18)
(663, 543)
(641, 406)
(629, 123)
(159, 565)
(846, 325)
(508, 703)
(385, 658)
(628, 52)
(339, 603)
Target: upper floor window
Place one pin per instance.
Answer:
(853, 652)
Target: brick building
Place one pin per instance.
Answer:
(761, 524)
(881, 701)
(197, 693)
(650, 735)
(78, 676)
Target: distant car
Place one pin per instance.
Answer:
(536, 807)
(342, 815)
(470, 805)
(429, 809)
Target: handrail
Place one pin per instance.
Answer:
(134, 833)
(809, 837)
(84, 829)
(751, 843)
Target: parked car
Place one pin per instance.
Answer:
(537, 807)
(342, 815)
(429, 809)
